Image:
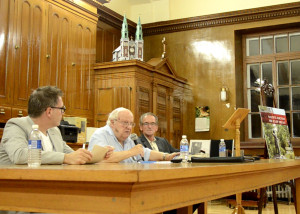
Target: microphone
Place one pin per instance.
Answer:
(134, 138)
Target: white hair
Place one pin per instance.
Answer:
(115, 114)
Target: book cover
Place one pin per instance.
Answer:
(276, 132)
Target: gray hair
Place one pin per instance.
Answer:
(147, 114)
(115, 114)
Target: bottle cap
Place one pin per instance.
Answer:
(222, 140)
(183, 136)
(35, 126)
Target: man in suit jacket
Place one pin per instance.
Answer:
(148, 127)
(45, 108)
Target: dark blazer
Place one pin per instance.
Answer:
(162, 144)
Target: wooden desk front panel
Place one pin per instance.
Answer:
(133, 188)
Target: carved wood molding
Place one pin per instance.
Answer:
(228, 18)
(70, 5)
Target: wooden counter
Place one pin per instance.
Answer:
(134, 188)
(76, 146)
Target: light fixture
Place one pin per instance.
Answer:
(223, 94)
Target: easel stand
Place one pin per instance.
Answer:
(234, 122)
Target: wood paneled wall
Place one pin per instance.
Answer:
(207, 51)
(109, 33)
(108, 39)
(209, 54)
(46, 42)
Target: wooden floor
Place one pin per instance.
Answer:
(220, 207)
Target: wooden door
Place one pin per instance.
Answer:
(108, 99)
(7, 9)
(82, 73)
(162, 110)
(57, 49)
(177, 122)
(28, 49)
(167, 105)
(144, 99)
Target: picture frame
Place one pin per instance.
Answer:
(200, 147)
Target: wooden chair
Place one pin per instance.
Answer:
(249, 199)
(214, 147)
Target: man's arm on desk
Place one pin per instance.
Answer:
(116, 157)
(80, 156)
(160, 156)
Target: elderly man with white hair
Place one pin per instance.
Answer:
(116, 133)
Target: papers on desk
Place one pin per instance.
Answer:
(155, 162)
(98, 153)
(163, 162)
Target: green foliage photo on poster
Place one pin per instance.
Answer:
(276, 133)
(202, 119)
(202, 111)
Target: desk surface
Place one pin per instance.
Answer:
(133, 188)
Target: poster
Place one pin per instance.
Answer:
(202, 119)
(276, 133)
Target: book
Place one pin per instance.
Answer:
(98, 153)
(276, 133)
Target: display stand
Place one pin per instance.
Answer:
(234, 122)
(267, 90)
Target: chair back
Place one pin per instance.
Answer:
(214, 147)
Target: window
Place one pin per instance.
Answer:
(275, 57)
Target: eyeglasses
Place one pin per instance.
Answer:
(63, 109)
(126, 124)
(149, 124)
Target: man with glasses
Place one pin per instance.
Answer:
(116, 133)
(45, 108)
(148, 128)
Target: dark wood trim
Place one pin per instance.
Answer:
(114, 19)
(81, 9)
(251, 145)
(96, 3)
(255, 145)
(228, 18)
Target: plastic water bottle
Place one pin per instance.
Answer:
(222, 148)
(34, 147)
(184, 149)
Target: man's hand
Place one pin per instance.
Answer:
(137, 150)
(80, 156)
(109, 152)
(171, 156)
